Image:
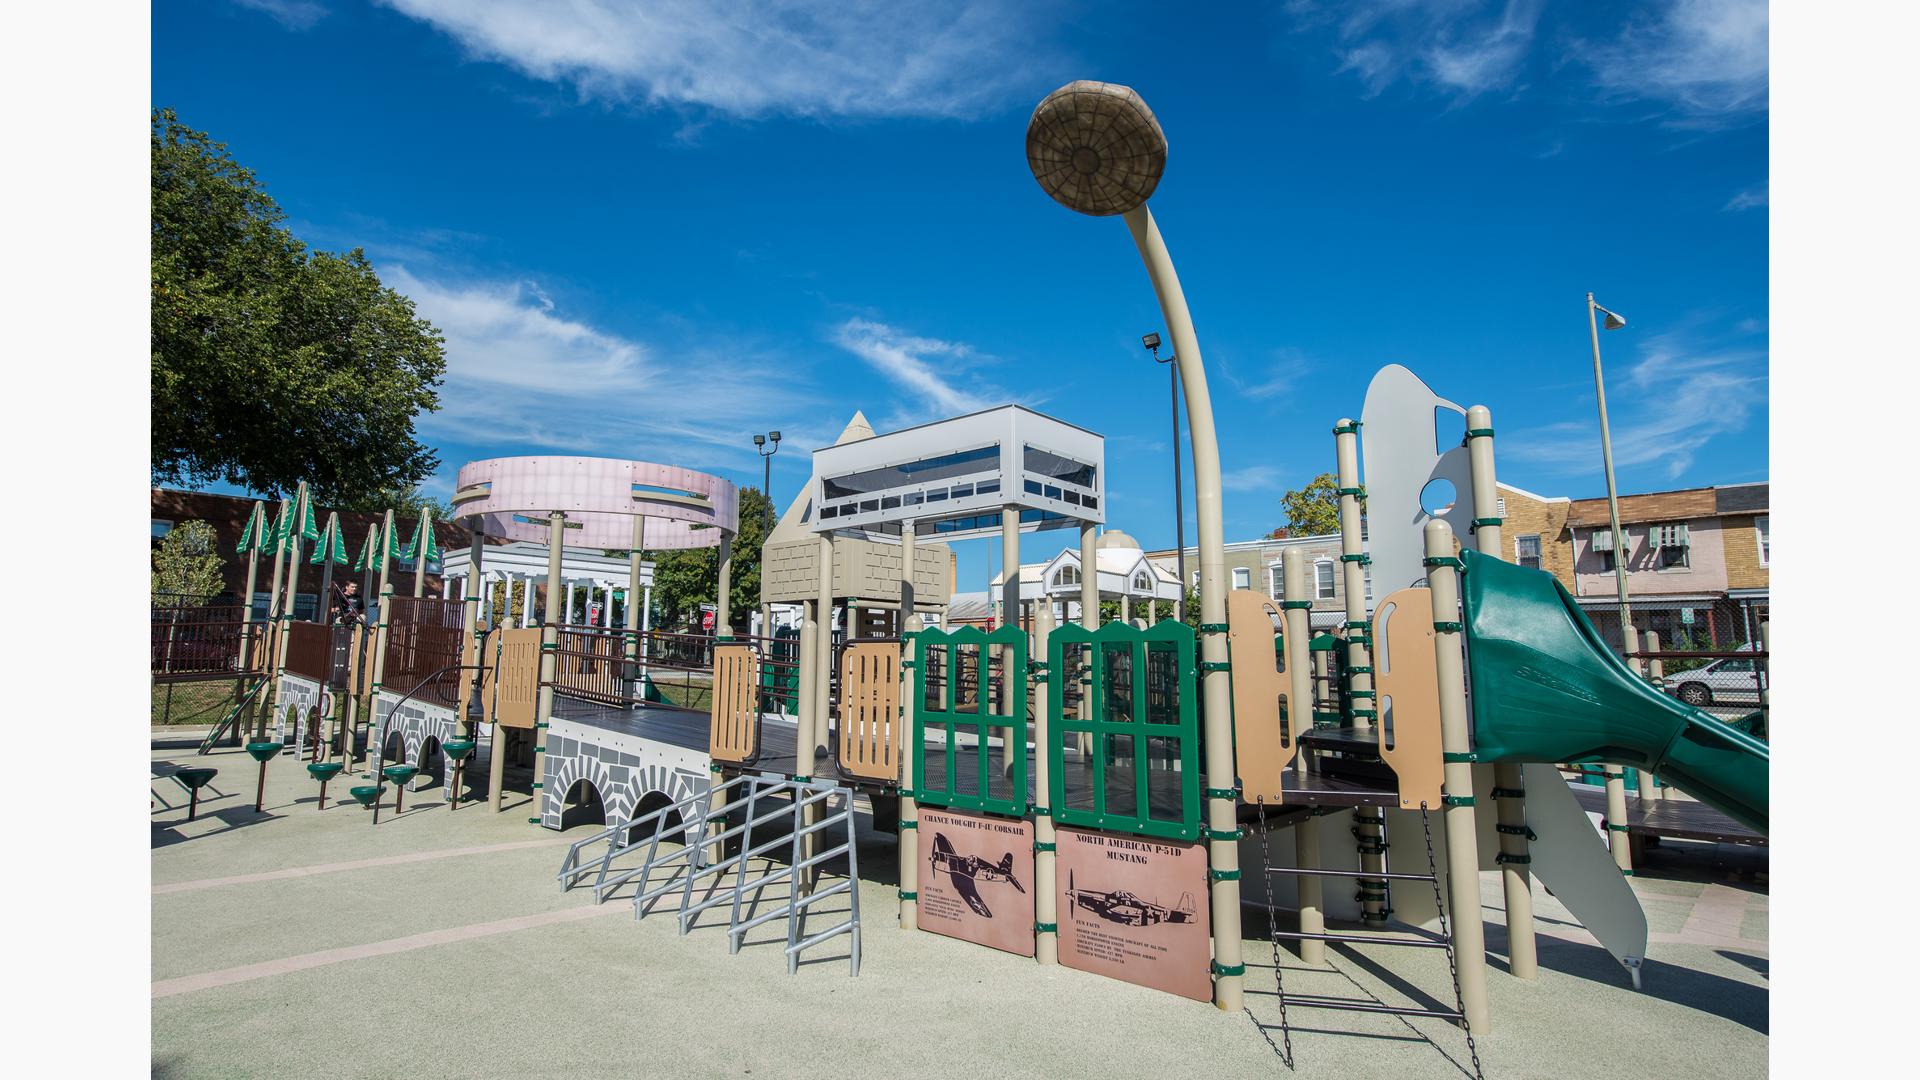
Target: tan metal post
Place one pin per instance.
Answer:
(818, 731)
(1089, 618)
(1223, 854)
(636, 597)
(380, 640)
(1656, 671)
(285, 633)
(470, 622)
(911, 624)
(550, 615)
(268, 699)
(1016, 738)
(1463, 856)
(420, 551)
(1509, 798)
(1366, 705)
(246, 626)
(808, 674)
(1046, 942)
(723, 594)
(1295, 603)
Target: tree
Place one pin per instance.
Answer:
(1313, 510)
(186, 565)
(406, 504)
(685, 579)
(272, 364)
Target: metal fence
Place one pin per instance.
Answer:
(1717, 625)
(198, 640)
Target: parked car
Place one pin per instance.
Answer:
(1724, 681)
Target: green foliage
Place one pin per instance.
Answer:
(186, 566)
(683, 580)
(272, 364)
(405, 502)
(1313, 510)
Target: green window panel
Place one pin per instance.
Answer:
(1136, 760)
(955, 691)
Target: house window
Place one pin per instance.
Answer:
(1366, 575)
(1142, 583)
(1765, 538)
(1671, 542)
(1242, 578)
(1066, 576)
(1275, 582)
(1526, 551)
(1323, 579)
(1601, 544)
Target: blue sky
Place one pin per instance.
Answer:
(651, 230)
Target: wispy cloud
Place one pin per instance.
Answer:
(1279, 378)
(524, 376)
(1748, 199)
(292, 14)
(916, 364)
(1250, 478)
(860, 58)
(1705, 58)
(1670, 404)
(1704, 62)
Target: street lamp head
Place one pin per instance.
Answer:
(1096, 148)
(1614, 322)
(759, 440)
(1151, 342)
(774, 435)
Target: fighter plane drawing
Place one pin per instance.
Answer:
(966, 870)
(1122, 906)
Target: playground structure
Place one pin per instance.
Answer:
(1157, 763)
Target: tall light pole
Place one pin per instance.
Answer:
(768, 445)
(1630, 640)
(1152, 343)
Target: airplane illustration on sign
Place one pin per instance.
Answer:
(967, 870)
(1122, 906)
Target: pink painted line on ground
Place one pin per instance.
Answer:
(189, 984)
(356, 864)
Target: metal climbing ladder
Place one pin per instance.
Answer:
(1455, 1015)
(234, 716)
(761, 802)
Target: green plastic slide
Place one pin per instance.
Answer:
(1547, 689)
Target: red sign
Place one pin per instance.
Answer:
(976, 880)
(706, 621)
(1134, 908)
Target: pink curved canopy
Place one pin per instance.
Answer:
(512, 497)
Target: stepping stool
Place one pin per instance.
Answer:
(262, 752)
(193, 780)
(324, 771)
(459, 750)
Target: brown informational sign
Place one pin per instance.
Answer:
(976, 879)
(1135, 908)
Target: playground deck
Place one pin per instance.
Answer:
(1681, 819)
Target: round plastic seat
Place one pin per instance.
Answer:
(365, 794)
(458, 749)
(399, 774)
(263, 752)
(195, 779)
(324, 771)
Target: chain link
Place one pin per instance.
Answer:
(1273, 933)
(1446, 935)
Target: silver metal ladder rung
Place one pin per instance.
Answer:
(794, 950)
(1361, 939)
(1347, 874)
(822, 894)
(1347, 1005)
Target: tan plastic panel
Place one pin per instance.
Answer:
(1262, 747)
(513, 699)
(870, 728)
(1407, 682)
(735, 732)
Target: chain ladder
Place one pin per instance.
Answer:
(1453, 968)
(1273, 928)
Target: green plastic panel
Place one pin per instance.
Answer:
(1142, 726)
(955, 689)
